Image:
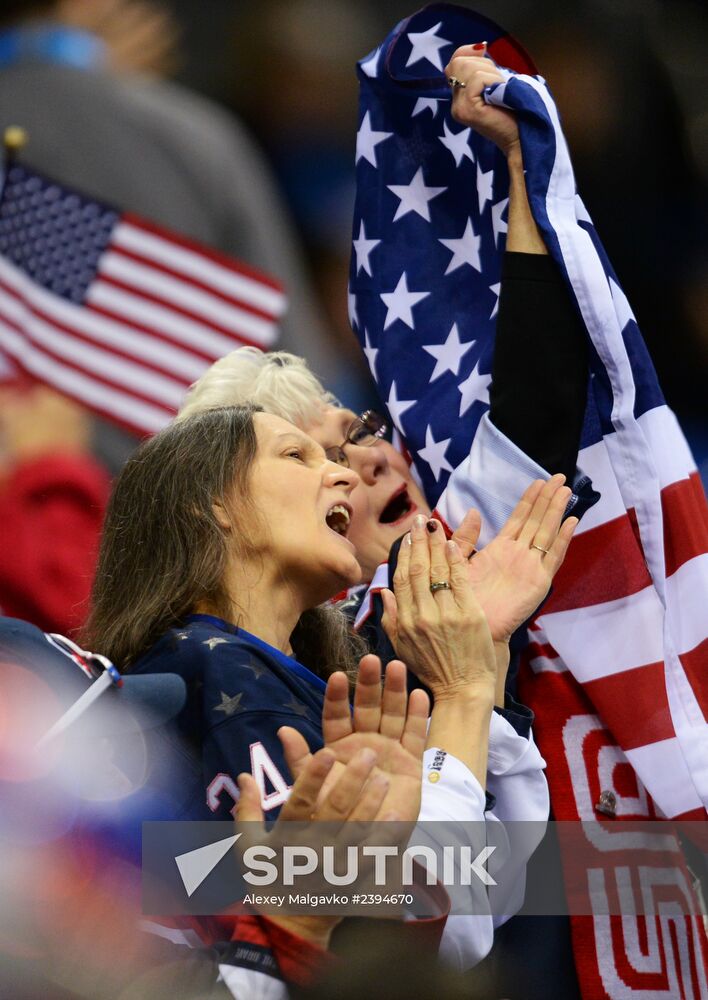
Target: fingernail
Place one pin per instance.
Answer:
(418, 524)
(408, 539)
(380, 780)
(478, 46)
(432, 525)
(368, 756)
(453, 549)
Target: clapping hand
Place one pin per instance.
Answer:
(355, 797)
(369, 770)
(513, 573)
(434, 620)
(385, 721)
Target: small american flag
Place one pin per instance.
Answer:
(114, 311)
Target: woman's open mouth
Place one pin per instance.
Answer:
(338, 519)
(398, 508)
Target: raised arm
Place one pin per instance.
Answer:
(540, 370)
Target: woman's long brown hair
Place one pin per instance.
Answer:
(163, 552)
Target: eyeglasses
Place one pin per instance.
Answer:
(366, 430)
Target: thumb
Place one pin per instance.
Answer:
(467, 534)
(249, 801)
(297, 753)
(390, 616)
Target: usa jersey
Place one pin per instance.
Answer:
(241, 691)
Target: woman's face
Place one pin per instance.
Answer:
(304, 503)
(385, 500)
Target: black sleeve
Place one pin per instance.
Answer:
(540, 369)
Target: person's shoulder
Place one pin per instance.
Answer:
(169, 103)
(161, 109)
(210, 649)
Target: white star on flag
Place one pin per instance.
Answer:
(426, 45)
(363, 248)
(457, 143)
(448, 355)
(465, 250)
(399, 303)
(426, 104)
(434, 453)
(484, 186)
(475, 387)
(351, 308)
(367, 140)
(496, 289)
(498, 224)
(414, 197)
(370, 65)
(370, 353)
(397, 407)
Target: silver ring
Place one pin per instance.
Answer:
(454, 83)
(540, 549)
(439, 585)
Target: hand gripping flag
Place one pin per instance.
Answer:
(617, 665)
(114, 311)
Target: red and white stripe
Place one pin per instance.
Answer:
(641, 662)
(159, 311)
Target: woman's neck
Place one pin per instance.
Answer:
(270, 612)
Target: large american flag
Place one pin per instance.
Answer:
(114, 311)
(627, 618)
(616, 669)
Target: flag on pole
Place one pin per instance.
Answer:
(114, 311)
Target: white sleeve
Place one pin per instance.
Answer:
(515, 774)
(516, 780)
(491, 478)
(451, 792)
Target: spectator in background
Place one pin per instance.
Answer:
(143, 143)
(139, 36)
(52, 499)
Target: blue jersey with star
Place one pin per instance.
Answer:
(241, 691)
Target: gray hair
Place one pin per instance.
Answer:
(280, 383)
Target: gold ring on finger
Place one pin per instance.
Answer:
(454, 83)
(540, 549)
(439, 585)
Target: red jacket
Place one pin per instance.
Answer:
(51, 513)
